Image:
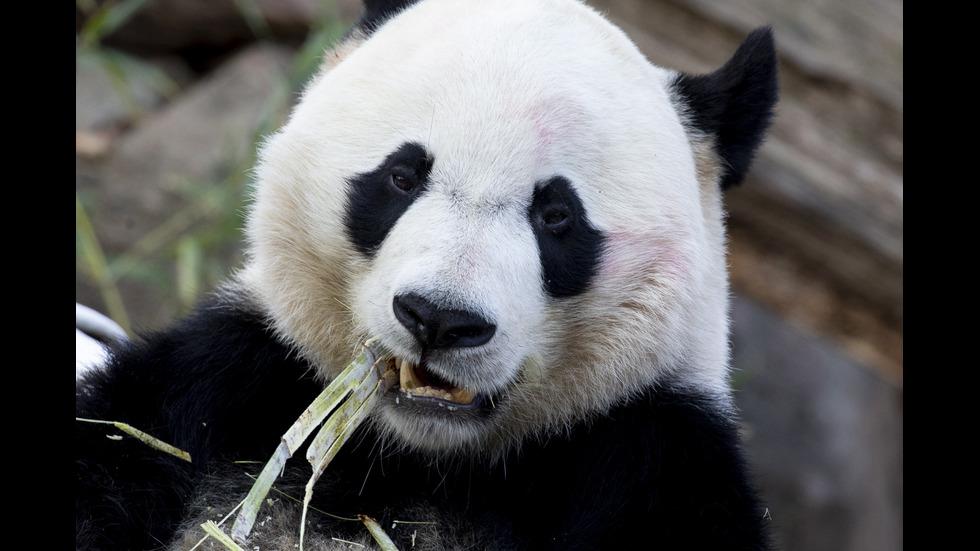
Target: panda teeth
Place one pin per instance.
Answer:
(411, 384)
(406, 377)
(463, 395)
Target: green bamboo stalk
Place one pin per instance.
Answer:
(362, 372)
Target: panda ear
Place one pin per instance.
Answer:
(378, 12)
(734, 105)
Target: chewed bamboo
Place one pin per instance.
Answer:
(349, 392)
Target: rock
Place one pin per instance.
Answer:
(166, 26)
(824, 434)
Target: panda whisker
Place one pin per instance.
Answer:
(367, 474)
(432, 122)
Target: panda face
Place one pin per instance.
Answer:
(505, 196)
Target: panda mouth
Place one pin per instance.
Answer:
(416, 381)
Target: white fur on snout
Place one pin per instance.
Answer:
(460, 255)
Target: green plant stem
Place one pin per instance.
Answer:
(98, 268)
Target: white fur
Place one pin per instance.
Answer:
(499, 107)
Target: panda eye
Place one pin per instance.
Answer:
(551, 212)
(568, 245)
(378, 198)
(555, 218)
(404, 178)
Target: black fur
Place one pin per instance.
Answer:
(377, 199)
(378, 12)
(734, 104)
(663, 470)
(568, 245)
(217, 386)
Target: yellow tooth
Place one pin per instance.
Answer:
(463, 395)
(406, 376)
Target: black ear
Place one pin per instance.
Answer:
(378, 12)
(735, 104)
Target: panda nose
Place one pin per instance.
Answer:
(435, 327)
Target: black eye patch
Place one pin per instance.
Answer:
(377, 199)
(568, 244)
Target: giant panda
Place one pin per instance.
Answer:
(528, 215)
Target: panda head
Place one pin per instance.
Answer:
(521, 207)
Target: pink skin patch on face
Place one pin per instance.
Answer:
(629, 255)
(555, 123)
(545, 134)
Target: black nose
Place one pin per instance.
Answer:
(435, 327)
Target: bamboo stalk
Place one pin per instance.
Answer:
(341, 408)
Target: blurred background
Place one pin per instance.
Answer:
(172, 97)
